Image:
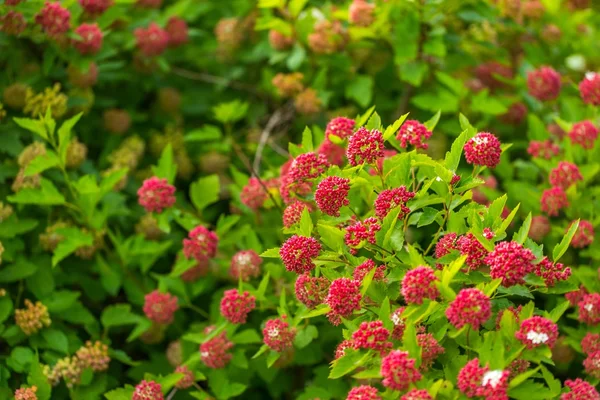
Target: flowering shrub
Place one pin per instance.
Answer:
(162, 237)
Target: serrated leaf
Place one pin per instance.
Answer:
(351, 360)
(392, 129)
(41, 163)
(166, 167)
(521, 235)
(74, 239)
(433, 121)
(205, 191)
(307, 140)
(560, 249)
(271, 253)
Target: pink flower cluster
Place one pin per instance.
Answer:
(363, 392)
(54, 19)
(565, 175)
(298, 252)
(361, 13)
(553, 200)
(156, 194)
(483, 149)
(551, 272)
(537, 331)
(580, 390)
(340, 127)
(94, 8)
(148, 390)
(177, 30)
(543, 149)
(12, 23)
(476, 381)
(188, 377)
(343, 298)
(389, 199)
(511, 262)
(584, 134)
(215, 351)
(584, 236)
(417, 394)
(332, 194)
(419, 284)
(236, 306)
(589, 88)
(362, 232)
(278, 335)
(589, 309)
(201, 244)
(399, 370)
(311, 291)
(413, 133)
(151, 41)
(335, 154)
(160, 307)
(253, 195)
(544, 83)
(471, 306)
(363, 269)
(90, 39)
(430, 349)
(293, 213)
(372, 335)
(245, 264)
(540, 228)
(365, 147)
(467, 245)
(307, 166)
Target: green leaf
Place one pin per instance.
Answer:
(56, 340)
(559, 310)
(307, 140)
(366, 282)
(42, 163)
(432, 123)
(166, 167)
(32, 125)
(64, 135)
(120, 394)
(205, 191)
(442, 100)
(271, 253)
(306, 224)
(206, 133)
(117, 315)
(351, 360)
(6, 307)
(560, 249)
(360, 89)
(331, 236)
(306, 336)
(46, 195)
(453, 156)
(522, 233)
(320, 310)
(247, 336)
(393, 129)
(230, 112)
(516, 290)
(37, 378)
(74, 239)
(296, 6)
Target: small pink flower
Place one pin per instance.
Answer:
(298, 253)
(363, 392)
(576, 296)
(476, 381)
(515, 312)
(589, 88)
(419, 284)
(340, 127)
(553, 200)
(483, 149)
(517, 112)
(362, 232)
(540, 228)
(413, 133)
(372, 335)
(489, 72)
(361, 13)
(293, 213)
(215, 351)
(584, 134)
(580, 390)
(417, 394)
(430, 349)
(308, 166)
(148, 390)
(188, 378)
(201, 244)
(552, 272)
(543, 149)
(54, 19)
(592, 365)
(160, 307)
(95, 7)
(332, 194)
(590, 343)
(344, 297)
(511, 262)
(363, 269)
(537, 331)
(589, 309)
(584, 236)
(565, 175)
(12, 23)
(279, 41)
(365, 147)
(235, 307)
(178, 31)
(544, 83)
(340, 350)
(27, 393)
(389, 199)
(90, 39)
(335, 154)
(469, 245)
(156, 194)
(471, 306)
(311, 291)
(445, 245)
(151, 41)
(245, 264)
(399, 370)
(278, 334)
(253, 195)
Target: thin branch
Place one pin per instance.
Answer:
(216, 80)
(279, 116)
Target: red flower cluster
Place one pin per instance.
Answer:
(148, 390)
(576, 296)
(589, 309)
(90, 39)
(298, 252)
(543, 149)
(335, 154)
(343, 297)
(584, 235)
(235, 307)
(365, 147)
(214, 352)
(445, 245)
(537, 331)
(54, 19)
(311, 291)
(332, 194)
(340, 127)
(26, 393)
(399, 370)
(580, 390)
(340, 350)
(589, 88)
(278, 335)
(361, 13)
(540, 228)
(95, 8)
(156, 194)
(553, 200)
(417, 394)
(201, 244)
(419, 284)
(178, 31)
(12, 23)
(590, 343)
(511, 262)
(361, 232)
(483, 149)
(430, 349)
(476, 381)
(363, 392)
(565, 175)
(279, 41)
(515, 115)
(552, 272)
(469, 245)
(372, 335)
(245, 264)
(471, 306)
(592, 365)
(293, 213)
(253, 195)
(363, 269)
(188, 377)
(389, 199)
(413, 133)
(584, 134)
(160, 307)
(151, 41)
(307, 166)
(544, 83)
(489, 72)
